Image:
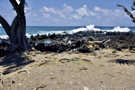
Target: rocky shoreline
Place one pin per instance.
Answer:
(83, 41)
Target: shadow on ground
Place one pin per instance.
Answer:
(14, 62)
(123, 61)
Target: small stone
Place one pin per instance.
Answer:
(83, 68)
(13, 81)
(87, 60)
(64, 60)
(52, 78)
(41, 87)
(43, 63)
(114, 51)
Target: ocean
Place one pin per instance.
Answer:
(34, 30)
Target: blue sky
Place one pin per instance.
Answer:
(71, 12)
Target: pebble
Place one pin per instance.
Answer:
(87, 60)
(83, 68)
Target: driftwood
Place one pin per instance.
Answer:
(17, 30)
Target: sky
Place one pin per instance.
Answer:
(71, 12)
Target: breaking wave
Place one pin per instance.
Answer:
(86, 28)
(4, 36)
(93, 28)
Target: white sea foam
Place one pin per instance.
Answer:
(92, 28)
(87, 28)
(4, 36)
(119, 29)
(77, 30)
(115, 29)
(50, 32)
(28, 35)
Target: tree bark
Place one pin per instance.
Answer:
(5, 25)
(17, 30)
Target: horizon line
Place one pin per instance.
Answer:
(77, 26)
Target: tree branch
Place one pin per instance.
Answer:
(127, 12)
(17, 7)
(5, 25)
(21, 5)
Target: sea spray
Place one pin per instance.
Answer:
(94, 29)
(4, 36)
(36, 30)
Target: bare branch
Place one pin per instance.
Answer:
(127, 12)
(15, 5)
(22, 3)
(5, 25)
(18, 8)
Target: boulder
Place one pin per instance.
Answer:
(51, 47)
(39, 46)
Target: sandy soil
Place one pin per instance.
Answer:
(73, 71)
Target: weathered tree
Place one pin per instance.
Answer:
(129, 13)
(17, 30)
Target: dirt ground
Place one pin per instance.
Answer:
(102, 70)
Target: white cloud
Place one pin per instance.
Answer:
(27, 9)
(109, 16)
(60, 12)
(46, 10)
(98, 9)
(44, 13)
(92, 13)
(68, 12)
(83, 11)
(101, 10)
(75, 16)
(67, 9)
(108, 12)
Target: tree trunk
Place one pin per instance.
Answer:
(17, 30)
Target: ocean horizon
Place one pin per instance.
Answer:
(34, 30)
